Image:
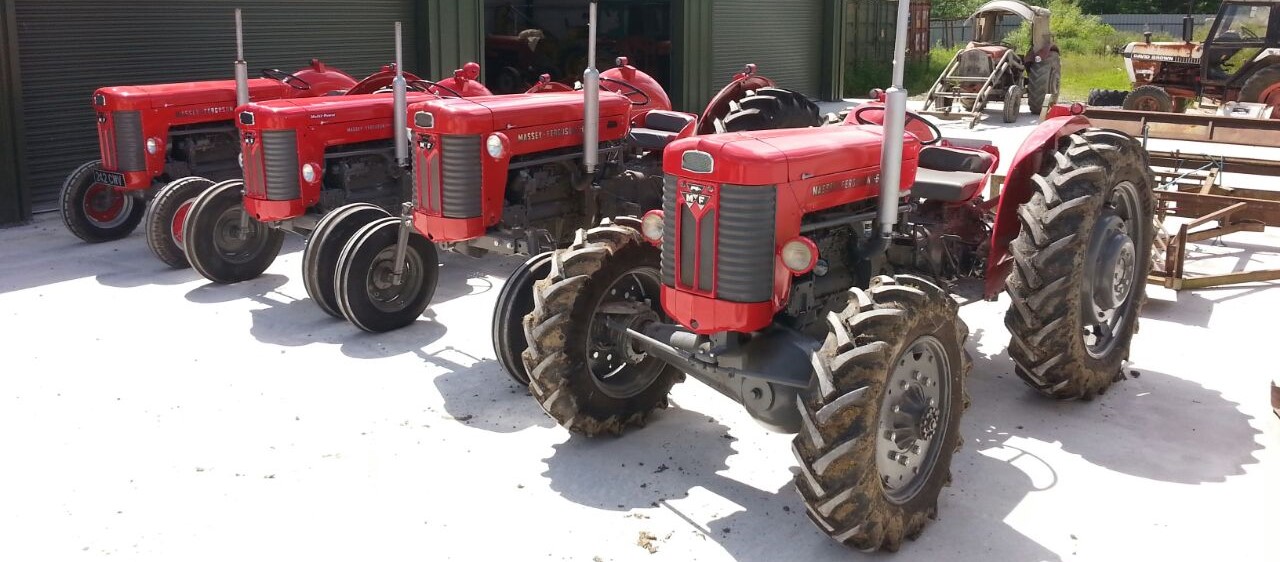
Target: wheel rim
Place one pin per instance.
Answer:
(1110, 291)
(233, 245)
(179, 219)
(105, 206)
(1147, 103)
(1271, 95)
(914, 415)
(619, 369)
(384, 293)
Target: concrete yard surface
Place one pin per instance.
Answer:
(146, 414)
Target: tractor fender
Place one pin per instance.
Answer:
(322, 79)
(624, 72)
(718, 107)
(1018, 189)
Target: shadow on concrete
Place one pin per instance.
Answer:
(479, 394)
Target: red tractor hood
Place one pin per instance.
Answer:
(784, 155)
(303, 112)
(158, 96)
(485, 114)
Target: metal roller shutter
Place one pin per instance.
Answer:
(782, 37)
(68, 48)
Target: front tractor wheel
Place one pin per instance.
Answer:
(215, 242)
(514, 302)
(583, 370)
(879, 430)
(166, 216)
(1148, 98)
(368, 291)
(1081, 262)
(95, 212)
(324, 246)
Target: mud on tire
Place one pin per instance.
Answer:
(1091, 179)
(879, 345)
(560, 328)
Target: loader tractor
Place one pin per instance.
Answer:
(987, 69)
(505, 175)
(1239, 61)
(812, 276)
(303, 159)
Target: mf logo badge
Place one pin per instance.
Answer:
(696, 197)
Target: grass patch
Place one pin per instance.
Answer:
(1084, 72)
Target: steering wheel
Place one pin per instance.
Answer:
(1248, 33)
(286, 78)
(426, 85)
(631, 91)
(937, 133)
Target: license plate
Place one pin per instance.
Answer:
(113, 179)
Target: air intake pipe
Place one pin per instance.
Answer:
(895, 119)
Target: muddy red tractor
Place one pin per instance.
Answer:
(812, 275)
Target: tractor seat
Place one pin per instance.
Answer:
(660, 128)
(948, 174)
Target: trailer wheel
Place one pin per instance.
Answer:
(1012, 101)
(95, 212)
(585, 374)
(1149, 97)
(166, 215)
(514, 302)
(217, 247)
(1043, 80)
(1106, 98)
(882, 422)
(1081, 262)
(771, 108)
(324, 246)
(367, 293)
(1263, 87)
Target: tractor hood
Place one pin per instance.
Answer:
(308, 112)
(784, 155)
(486, 114)
(1169, 51)
(221, 93)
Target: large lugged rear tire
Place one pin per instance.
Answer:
(1081, 262)
(878, 434)
(1106, 98)
(1148, 97)
(166, 216)
(214, 244)
(1263, 86)
(324, 247)
(95, 212)
(514, 302)
(771, 108)
(1043, 80)
(585, 376)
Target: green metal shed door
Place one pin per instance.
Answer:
(68, 48)
(782, 37)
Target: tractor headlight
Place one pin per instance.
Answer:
(309, 173)
(799, 255)
(651, 226)
(153, 145)
(494, 146)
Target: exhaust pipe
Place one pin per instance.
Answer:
(591, 96)
(895, 120)
(242, 68)
(399, 89)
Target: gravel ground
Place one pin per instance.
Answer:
(146, 414)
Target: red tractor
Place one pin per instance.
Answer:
(302, 159)
(806, 275)
(151, 135)
(504, 174)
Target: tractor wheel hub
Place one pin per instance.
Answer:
(1117, 271)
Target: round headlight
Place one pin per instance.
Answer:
(309, 173)
(799, 255)
(494, 145)
(153, 145)
(651, 226)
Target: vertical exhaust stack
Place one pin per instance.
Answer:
(895, 120)
(400, 90)
(591, 94)
(242, 68)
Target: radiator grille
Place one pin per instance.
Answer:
(461, 177)
(128, 136)
(280, 165)
(729, 251)
(669, 210)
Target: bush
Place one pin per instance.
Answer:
(1073, 31)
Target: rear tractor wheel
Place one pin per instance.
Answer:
(1106, 98)
(1263, 87)
(369, 293)
(1149, 98)
(166, 216)
(324, 246)
(771, 108)
(514, 302)
(1043, 80)
(883, 421)
(1081, 262)
(221, 243)
(97, 212)
(583, 370)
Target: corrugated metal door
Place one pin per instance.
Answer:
(782, 37)
(68, 48)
